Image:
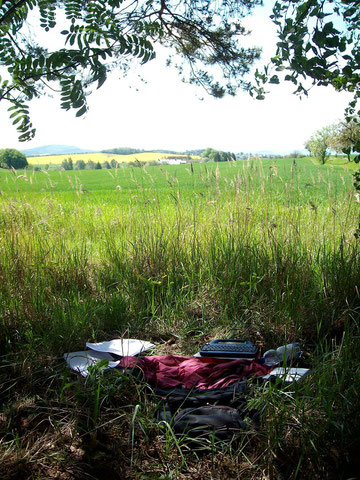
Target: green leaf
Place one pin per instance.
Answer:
(17, 120)
(356, 146)
(81, 111)
(102, 79)
(274, 79)
(319, 38)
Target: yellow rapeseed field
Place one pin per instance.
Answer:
(100, 157)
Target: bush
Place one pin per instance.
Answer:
(12, 158)
(80, 165)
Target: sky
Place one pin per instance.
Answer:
(165, 113)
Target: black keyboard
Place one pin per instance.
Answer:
(229, 348)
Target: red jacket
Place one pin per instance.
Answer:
(168, 371)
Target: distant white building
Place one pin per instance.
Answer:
(172, 160)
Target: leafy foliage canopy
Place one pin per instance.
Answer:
(346, 138)
(320, 143)
(100, 35)
(12, 158)
(218, 156)
(317, 41)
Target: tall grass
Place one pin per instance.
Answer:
(262, 250)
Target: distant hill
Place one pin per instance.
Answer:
(53, 150)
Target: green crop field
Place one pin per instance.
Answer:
(100, 157)
(300, 180)
(178, 255)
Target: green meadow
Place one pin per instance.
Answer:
(178, 255)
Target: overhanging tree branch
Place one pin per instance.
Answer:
(102, 33)
(6, 17)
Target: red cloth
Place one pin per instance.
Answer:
(169, 371)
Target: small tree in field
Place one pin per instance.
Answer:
(347, 138)
(67, 164)
(12, 158)
(218, 155)
(80, 165)
(90, 165)
(319, 143)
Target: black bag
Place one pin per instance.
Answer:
(218, 420)
(206, 413)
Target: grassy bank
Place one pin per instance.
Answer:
(177, 255)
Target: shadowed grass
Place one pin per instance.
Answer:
(260, 249)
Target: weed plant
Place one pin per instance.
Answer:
(260, 249)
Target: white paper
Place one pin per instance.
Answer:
(81, 361)
(127, 347)
(288, 375)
